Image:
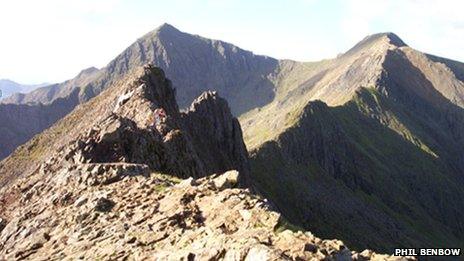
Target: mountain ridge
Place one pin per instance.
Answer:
(381, 126)
(121, 182)
(404, 111)
(9, 88)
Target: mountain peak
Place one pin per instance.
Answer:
(87, 71)
(392, 38)
(166, 28)
(380, 39)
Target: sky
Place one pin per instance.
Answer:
(52, 40)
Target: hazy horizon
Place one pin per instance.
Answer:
(56, 40)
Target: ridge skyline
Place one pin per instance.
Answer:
(168, 27)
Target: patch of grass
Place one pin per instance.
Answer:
(284, 224)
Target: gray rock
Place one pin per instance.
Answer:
(2, 224)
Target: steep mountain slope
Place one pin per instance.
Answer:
(47, 94)
(387, 155)
(20, 122)
(195, 64)
(9, 87)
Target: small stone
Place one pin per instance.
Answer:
(81, 217)
(226, 180)
(104, 205)
(80, 201)
(131, 240)
(259, 252)
(246, 214)
(2, 224)
(310, 248)
(187, 183)
(367, 253)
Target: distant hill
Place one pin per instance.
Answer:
(8, 87)
(50, 92)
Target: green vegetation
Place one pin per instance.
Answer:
(284, 224)
(367, 172)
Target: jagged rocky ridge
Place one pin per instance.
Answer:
(129, 133)
(124, 131)
(100, 194)
(388, 147)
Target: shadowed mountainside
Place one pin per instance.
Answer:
(389, 160)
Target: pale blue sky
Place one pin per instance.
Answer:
(52, 40)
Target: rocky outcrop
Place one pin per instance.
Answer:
(195, 64)
(216, 134)
(121, 211)
(122, 125)
(205, 140)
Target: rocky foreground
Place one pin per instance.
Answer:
(122, 211)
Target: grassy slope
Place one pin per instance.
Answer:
(388, 189)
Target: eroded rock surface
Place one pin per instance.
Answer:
(85, 212)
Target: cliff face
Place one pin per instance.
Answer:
(216, 134)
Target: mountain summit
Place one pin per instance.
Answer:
(389, 37)
(167, 28)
